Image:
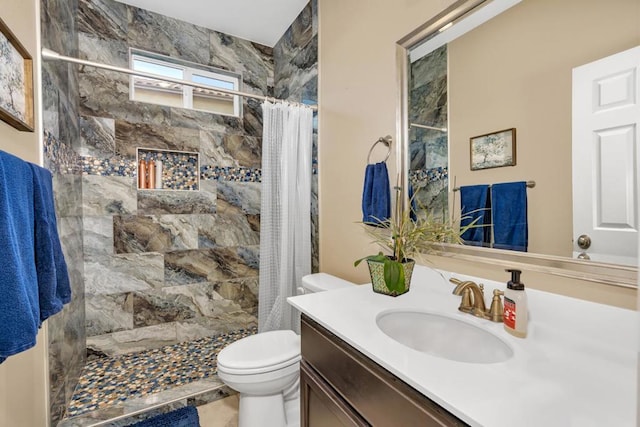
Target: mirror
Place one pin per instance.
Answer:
(530, 49)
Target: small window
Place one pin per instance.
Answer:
(145, 89)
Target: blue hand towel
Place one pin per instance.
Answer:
(53, 279)
(509, 206)
(475, 206)
(376, 197)
(19, 307)
(182, 417)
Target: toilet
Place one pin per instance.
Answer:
(265, 368)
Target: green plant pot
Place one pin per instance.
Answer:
(376, 270)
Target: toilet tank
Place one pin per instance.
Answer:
(320, 282)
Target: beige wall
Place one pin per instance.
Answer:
(20, 17)
(357, 101)
(23, 378)
(487, 69)
(357, 94)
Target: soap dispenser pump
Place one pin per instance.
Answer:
(515, 306)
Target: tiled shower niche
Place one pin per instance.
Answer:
(180, 169)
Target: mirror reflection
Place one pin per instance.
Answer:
(516, 71)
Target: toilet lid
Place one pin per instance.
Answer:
(262, 352)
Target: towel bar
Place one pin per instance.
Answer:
(386, 141)
(530, 184)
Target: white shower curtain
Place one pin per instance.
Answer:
(285, 213)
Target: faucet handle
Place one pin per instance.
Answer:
(496, 311)
(455, 281)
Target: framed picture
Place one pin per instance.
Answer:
(16, 81)
(494, 150)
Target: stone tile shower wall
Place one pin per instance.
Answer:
(156, 267)
(66, 330)
(296, 79)
(429, 149)
(166, 266)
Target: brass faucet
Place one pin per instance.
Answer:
(473, 300)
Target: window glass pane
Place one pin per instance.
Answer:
(163, 70)
(160, 97)
(210, 81)
(213, 104)
(161, 92)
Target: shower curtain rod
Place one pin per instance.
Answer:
(50, 55)
(418, 125)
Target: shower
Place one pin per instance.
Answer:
(162, 278)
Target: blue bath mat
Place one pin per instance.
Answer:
(183, 417)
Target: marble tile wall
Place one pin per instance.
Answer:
(296, 79)
(154, 268)
(67, 344)
(166, 266)
(429, 149)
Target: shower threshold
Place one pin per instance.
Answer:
(194, 394)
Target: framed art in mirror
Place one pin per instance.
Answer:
(493, 150)
(16, 82)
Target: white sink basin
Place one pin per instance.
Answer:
(443, 336)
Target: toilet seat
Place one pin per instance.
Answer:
(260, 353)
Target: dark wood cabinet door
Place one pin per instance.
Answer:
(321, 405)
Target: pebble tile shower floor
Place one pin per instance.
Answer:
(110, 381)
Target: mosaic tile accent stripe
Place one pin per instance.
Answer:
(236, 174)
(421, 177)
(61, 158)
(119, 166)
(110, 381)
(113, 166)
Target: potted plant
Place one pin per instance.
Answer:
(404, 237)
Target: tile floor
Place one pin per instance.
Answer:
(221, 413)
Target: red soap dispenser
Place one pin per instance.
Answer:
(515, 306)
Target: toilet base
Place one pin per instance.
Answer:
(256, 410)
(292, 404)
(277, 410)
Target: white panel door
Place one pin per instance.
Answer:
(606, 118)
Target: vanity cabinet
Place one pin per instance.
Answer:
(341, 387)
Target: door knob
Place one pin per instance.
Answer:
(584, 241)
(583, 255)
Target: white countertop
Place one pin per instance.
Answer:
(577, 366)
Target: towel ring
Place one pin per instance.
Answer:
(386, 141)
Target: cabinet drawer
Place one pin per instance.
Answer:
(377, 395)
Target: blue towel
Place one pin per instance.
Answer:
(376, 197)
(183, 417)
(509, 206)
(53, 279)
(475, 206)
(19, 307)
(413, 214)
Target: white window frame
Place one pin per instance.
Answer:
(188, 70)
